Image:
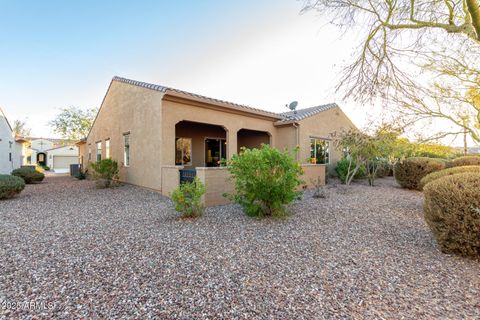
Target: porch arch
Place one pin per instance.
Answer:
(252, 138)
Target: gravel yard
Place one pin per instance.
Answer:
(72, 251)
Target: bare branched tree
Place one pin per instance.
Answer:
(421, 57)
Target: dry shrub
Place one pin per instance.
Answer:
(447, 172)
(464, 161)
(410, 172)
(452, 211)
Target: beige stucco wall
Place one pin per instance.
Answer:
(286, 137)
(170, 179)
(216, 181)
(128, 108)
(312, 174)
(322, 125)
(82, 151)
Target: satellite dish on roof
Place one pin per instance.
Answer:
(293, 106)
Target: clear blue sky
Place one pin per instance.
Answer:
(259, 52)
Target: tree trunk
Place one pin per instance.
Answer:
(473, 8)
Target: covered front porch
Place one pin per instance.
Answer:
(208, 145)
(199, 151)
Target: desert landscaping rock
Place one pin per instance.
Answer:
(361, 252)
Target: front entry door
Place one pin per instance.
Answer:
(215, 150)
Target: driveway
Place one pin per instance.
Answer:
(69, 250)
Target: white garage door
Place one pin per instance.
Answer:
(64, 162)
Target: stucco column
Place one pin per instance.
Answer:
(231, 142)
(168, 150)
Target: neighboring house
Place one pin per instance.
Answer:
(154, 131)
(11, 148)
(54, 153)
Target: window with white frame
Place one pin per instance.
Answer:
(183, 151)
(89, 153)
(126, 150)
(319, 151)
(99, 151)
(107, 149)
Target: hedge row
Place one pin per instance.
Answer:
(29, 175)
(447, 172)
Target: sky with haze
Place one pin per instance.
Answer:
(261, 53)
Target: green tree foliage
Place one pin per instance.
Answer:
(266, 180)
(20, 128)
(343, 170)
(187, 198)
(73, 123)
(105, 171)
(431, 150)
(364, 150)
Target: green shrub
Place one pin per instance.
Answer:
(29, 174)
(409, 172)
(45, 167)
(104, 171)
(266, 180)
(385, 169)
(447, 172)
(10, 186)
(187, 198)
(452, 211)
(464, 161)
(342, 168)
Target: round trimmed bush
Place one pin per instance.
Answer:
(10, 186)
(465, 161)
(447, 172)
(410, 172)
(452, 211)
(29, 175)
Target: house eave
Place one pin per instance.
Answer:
(179, 97)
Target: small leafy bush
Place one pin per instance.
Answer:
(452, 211)
(410, 172)
(29, 174)
(266, 180)
(342, 169)
(10, 186)
(187, 198)
(464, 161)
(447, 172)
(104, 171)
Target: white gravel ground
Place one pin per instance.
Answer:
(69, 251)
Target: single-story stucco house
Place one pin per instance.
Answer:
(154, 131)
(57, 154)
